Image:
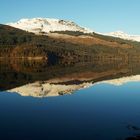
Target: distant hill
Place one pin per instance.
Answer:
(123, 35)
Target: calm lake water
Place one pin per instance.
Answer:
(82, 101)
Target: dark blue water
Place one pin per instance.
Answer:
(101, 112)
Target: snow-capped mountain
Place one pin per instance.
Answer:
(123, 35)
(46, 25)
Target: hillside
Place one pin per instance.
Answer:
(64, 46)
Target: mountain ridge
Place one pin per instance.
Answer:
(46, 25)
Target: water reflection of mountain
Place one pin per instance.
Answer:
(66, 76)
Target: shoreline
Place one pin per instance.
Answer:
(25, 58)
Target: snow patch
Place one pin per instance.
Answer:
(121, 34)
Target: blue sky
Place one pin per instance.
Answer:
(99, 15)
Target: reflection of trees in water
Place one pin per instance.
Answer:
(22, 65)
(14, 73)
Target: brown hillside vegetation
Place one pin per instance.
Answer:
(88, 40)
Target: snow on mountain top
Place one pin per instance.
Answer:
(123, 35)
(46, 25)
(119, 34)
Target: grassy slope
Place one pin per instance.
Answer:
(102, 37)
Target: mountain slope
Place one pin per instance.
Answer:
(46, 25)
(65, 46)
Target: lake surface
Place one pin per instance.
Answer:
(93, 101)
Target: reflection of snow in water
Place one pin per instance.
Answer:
(46, 89)
(123, 80)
